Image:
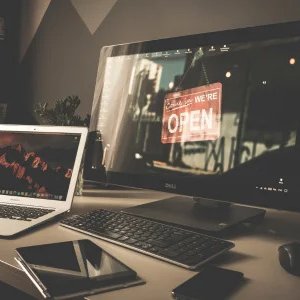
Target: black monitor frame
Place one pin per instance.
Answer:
(224, 190)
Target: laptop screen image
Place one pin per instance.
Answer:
(37, 165)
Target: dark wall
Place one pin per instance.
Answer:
(9, 44)
(62, 58)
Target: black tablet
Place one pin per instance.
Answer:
(67, 269)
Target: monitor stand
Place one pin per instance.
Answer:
(203, 215)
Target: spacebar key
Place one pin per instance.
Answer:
(105, 233)
(159, 243)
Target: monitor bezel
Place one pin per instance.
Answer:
(171, 185)
(247, 34)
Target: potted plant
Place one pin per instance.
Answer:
(63, 113)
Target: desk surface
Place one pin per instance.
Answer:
(255, 253)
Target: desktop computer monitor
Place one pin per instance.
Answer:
(214, 115)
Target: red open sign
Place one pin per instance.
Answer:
(192, 115)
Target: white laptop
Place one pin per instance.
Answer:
(39, 166)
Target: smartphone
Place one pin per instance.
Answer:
(212, 283)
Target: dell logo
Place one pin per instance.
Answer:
(170, 186)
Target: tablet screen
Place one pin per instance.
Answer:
(74, 267)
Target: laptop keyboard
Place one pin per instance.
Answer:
(22, 212)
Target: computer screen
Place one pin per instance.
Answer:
(213, 115)
(37, 165)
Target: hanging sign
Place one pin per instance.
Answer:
(192, 115)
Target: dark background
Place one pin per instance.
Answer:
(51, 48)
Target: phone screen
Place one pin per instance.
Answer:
(72, 267)
(211, 283)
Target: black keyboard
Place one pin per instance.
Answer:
(170, 243)
(23, 213)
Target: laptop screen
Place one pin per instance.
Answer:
(37, 165)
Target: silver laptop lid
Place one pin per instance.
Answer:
(40, 163)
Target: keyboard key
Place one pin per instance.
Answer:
(169, 253)
(159, 243)
(131, 241)
(105, 233)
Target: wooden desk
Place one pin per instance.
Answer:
(255, 253)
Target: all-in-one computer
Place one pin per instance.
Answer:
(213, 116)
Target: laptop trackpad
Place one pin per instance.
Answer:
(9, 226)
